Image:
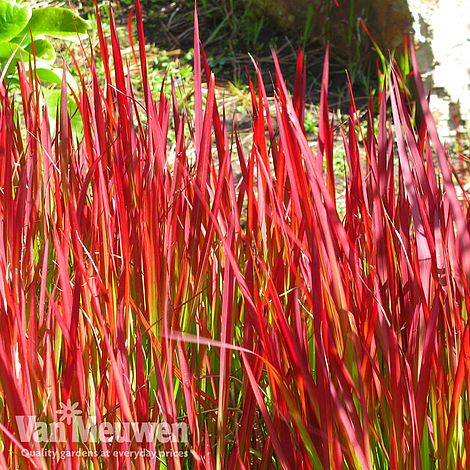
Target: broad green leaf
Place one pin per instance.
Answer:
(49, 75)
(52, 99)
(53, 75)
(44, 70)
(9, 49)
(11, 54)
(56, 22)
(13, 18)
(43, 49)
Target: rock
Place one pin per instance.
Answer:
(441, 32)
(442, 40)
(387, 19)
(287, 15)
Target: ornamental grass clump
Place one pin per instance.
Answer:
(220, 313)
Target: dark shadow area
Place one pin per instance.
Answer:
(231, 31)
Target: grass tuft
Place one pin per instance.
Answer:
(221, 289)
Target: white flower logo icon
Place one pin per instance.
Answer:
(69, 412)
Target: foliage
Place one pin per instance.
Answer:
(22, 37)
(222, 288)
